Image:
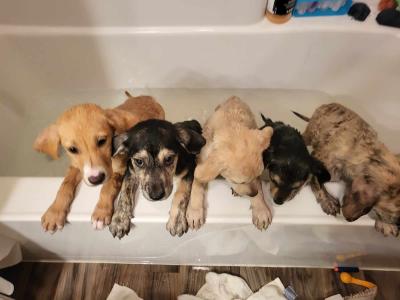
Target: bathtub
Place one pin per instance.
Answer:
(190, 61)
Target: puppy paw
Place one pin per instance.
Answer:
(54, 219)
(177, 223)
(101, 217)
(195, 217)
(387, 229)
(330, 206)
(120, 224)
(262, 218)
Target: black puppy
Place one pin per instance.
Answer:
(157, 150)
(290, 165)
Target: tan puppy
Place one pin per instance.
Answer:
(86, 132)
(233, 150)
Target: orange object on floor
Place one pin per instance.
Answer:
(347, 278)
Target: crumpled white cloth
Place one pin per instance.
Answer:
(228, 287)
(10, 252)
(120, 292)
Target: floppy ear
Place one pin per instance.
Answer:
(120, 119)
(119, 144)
(268, 155)
(319, 170)
(48, 142)
(189, 136)
(358, 199)
(264, 136)
(208, 169)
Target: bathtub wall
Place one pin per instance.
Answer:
(132, 12)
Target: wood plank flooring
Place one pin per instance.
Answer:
(94, 281)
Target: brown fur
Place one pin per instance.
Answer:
(233, 150)
(351, 151)
(81, 126)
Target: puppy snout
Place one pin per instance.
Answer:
(97, 179)
(278, 201)
(156, 192)
(253, 193)
(351, 218)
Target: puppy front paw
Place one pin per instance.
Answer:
(101, 217)
(386, 229)
(177, 223)
(120, 224)
(195, 217)
(54, 219)
(330, 206)
(262, 218)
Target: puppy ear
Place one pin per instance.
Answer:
(119, 145)
(120, 120)
(358, 199)
(48, 142)
(267, 121)
(268, 156)
(264, 136)
(319, 170)
(189, 136)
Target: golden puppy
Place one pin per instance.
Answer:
(233, 150)
(86, 132)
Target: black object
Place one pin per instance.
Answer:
(346, 269)
(389, 17)
(359, 11)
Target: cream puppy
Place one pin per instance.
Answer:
(233, 150)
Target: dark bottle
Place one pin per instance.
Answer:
(280, 11)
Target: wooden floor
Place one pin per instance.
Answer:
(94, 281)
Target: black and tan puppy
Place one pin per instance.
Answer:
(157, 151)
(290, 166)
(351, 151)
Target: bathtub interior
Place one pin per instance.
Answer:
(21, 125)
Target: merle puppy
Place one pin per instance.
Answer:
(157, 150)
(352, 152)
(290, 165)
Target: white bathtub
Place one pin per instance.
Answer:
(49, 63)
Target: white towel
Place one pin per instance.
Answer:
(10, 254)
(229, 287)
(217, 287)
(120, 292)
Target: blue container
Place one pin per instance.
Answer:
(314, 8)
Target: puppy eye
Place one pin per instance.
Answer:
(73, 150)
(169, 160)
(101, 141)
(138, 162)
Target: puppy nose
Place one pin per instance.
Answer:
(278, 201)
(157, 194)
(351, 218)
(97, 179)
(253, 193)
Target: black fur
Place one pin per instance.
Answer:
(183, 138)
(288, 158)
